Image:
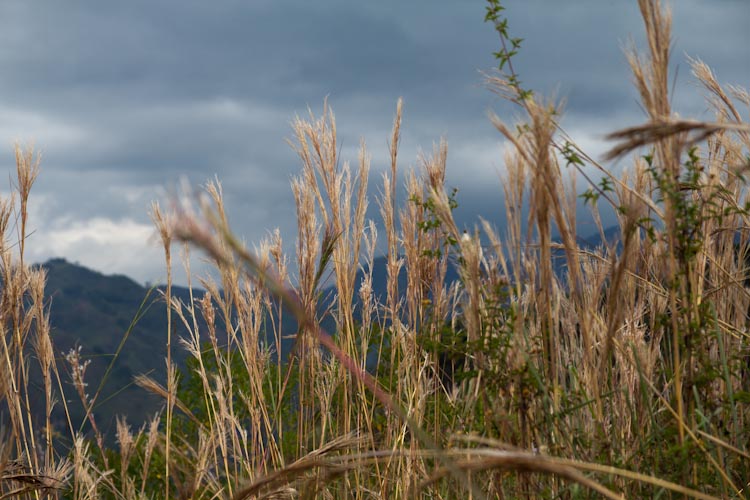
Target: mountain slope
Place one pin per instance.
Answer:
(94, 312)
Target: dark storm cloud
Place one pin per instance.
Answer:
(125, 98)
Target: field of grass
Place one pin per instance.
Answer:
(627, 375)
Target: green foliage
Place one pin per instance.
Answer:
(194, 394)
(432, 223)
(509, 46)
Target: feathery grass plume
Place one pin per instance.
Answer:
(152, 435)
(27, 170)
(154, 387)
(314, 461)
(77, 366)
(89, 482)
(655, 132)
(21, 481)
(161, 222)
(126, 442)
(45, 355)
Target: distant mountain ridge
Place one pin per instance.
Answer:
(95, 311)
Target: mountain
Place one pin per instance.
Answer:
(94, 312)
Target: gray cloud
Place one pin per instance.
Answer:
(126, 98)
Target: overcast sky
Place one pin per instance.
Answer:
(125, 98)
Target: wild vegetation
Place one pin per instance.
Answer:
(625, 375)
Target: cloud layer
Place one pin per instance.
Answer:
(126, 98)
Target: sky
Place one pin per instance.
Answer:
(126, 100)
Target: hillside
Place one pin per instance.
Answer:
(95, 312)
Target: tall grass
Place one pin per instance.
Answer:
(625, 374)
(28, 464)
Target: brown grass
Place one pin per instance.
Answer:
(626, 375)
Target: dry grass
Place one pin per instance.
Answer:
(28, 462)
(625, 375)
